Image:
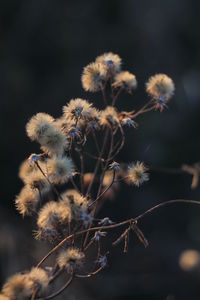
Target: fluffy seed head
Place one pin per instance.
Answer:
(160, 85)
(60, 169)
(43, 129)
(111, 61)
(109, 116)
(77, 109)
(125, 80)
(52, 214)
(39, 278)
(36, 180)
(92, 121)
(70, 259)
(93, 77)
(54, 141)
(38, 126)
(27, 200)
(76, 201)
(25, 169)
(18, 287)
(137, 173)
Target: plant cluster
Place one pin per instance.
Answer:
(61, 193)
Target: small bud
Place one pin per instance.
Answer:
(114, 166)
(98, 235)
(86, 218)
(105, 221)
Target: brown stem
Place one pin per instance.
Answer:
(90, 274)
(82, 173)
(98, 162)
(108, 227)
(104, 95)
(59, 291)
(106, 189)
(115, 97)
(34, 293)
(55, 275)
(52, 186)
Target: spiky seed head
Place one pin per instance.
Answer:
(18, 287)
(137, 173)
(125, 80)
(111, 61)
(71, 259)
(27, 200)
(93, 77)
(60, 169)
(109, 116)
(161, 88)
(39, 277)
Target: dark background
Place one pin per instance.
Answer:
(44, 46)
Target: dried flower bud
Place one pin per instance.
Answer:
(86, 218)
(102, 261)
(114, 166)
(33, 158)
(98, 235)
(129, 122)
(105, 221)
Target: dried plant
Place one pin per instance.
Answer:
(70, 196)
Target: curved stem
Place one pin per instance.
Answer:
(98, 162)
(59, 291)
(90, 274)
(106, 189)
(150, 210)
(108, 227)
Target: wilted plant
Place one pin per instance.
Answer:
(71, 198)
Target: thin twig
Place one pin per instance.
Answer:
(108, 227)
(59, 291)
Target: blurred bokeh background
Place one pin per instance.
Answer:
(44, 46)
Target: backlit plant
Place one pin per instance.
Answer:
(60, 192)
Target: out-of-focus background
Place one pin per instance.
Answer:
(44, 46)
